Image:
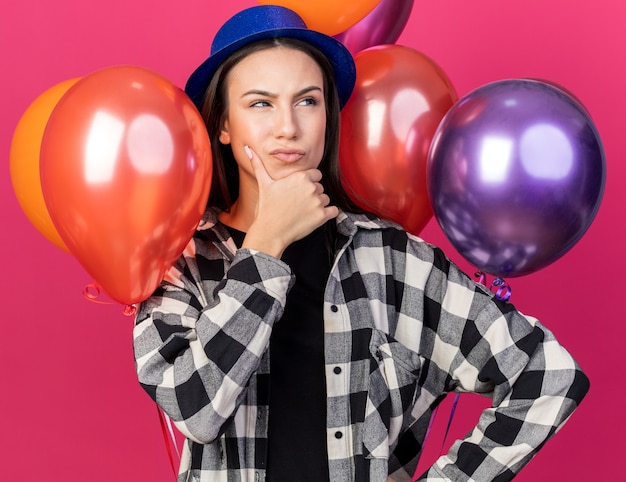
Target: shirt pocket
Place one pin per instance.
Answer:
(392, 391)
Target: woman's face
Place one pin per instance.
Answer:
(276, 106)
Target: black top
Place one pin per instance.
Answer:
(297, 407)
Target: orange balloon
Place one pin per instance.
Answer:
(328, 16)
(387, 127)
(125, 173)
(24, 160)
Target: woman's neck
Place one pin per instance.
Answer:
(241, 213)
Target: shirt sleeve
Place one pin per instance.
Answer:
(198, 341)
(536, 387)
(476, 343)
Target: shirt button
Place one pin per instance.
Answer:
(337, 370)
(334, 308)
(338, 434)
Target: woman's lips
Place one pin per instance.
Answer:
(287, 155)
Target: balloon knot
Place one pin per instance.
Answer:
(481, 277)
(130, 310)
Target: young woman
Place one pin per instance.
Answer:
(298, 338)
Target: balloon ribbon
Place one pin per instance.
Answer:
(502, 289)
(92, 291)
(430, 425)
(503, 292)
(169, 441)
(452, 410)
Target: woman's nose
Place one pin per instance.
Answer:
(286, 123)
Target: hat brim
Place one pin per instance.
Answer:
(340, 58)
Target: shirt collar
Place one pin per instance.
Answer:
(349, 223)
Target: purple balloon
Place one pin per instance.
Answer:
(383, 25)
(516, 174)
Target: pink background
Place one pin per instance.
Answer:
(70, 404)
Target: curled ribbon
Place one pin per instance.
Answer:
(502, 289)
(92, 291)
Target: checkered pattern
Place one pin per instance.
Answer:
(403, 327)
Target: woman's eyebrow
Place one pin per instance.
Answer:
(306, 90)
(263, 93)
(271, 95)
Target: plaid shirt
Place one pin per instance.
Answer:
(403, 327)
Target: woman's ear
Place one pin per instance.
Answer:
(224, 133)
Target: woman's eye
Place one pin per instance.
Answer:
(309, 101)
(260, 103)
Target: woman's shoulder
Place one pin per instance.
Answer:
(209, 219)
(349, 223)
(211, 240)
(210, 227)
(369, 232)
(363, 223)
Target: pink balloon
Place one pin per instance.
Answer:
(383, 25)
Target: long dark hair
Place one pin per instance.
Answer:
(225, 185)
